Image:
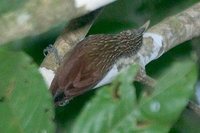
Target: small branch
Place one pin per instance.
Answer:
(73, 33)
(194, 107)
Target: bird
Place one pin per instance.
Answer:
(90, 61)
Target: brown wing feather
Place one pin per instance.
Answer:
(75, 76)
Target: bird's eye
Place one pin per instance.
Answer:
(60, 99)
(59, 96)
(63, 103)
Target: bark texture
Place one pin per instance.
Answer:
(172, 31)
(37, 16)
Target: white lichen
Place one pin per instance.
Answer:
(47, 74)
(91, 4)
(23, 18)
(157, 44)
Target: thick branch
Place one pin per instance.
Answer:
(38, 16)
(169, 33)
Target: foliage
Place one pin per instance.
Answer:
(25, 104)
(115, 109)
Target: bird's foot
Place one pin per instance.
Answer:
(146, 80)
(52, 49)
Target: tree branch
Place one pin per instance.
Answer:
(169, 33)
(37, 16)
(160, 38)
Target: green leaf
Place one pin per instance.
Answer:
(110, 110)
(115, 109)
(171, 95)
(25, 103)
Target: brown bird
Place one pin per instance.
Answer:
(94, 62)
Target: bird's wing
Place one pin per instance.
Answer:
(86, 77)
(74, 77)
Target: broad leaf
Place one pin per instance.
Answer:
(25, 103)
(159, 111)
(111, 110)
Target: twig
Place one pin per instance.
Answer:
(194, 107)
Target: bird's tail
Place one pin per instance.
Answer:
(145, 26)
